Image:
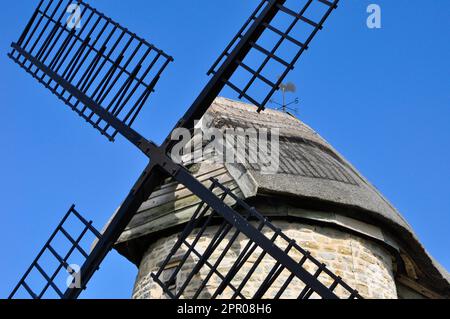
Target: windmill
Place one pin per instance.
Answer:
(105, 73)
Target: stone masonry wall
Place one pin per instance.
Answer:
(363, 264)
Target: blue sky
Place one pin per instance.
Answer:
(380, 97)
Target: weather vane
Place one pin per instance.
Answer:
(287, 88)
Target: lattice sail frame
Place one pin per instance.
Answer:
(64, 247)
(211, 263)
(105, 63)
(292, 29)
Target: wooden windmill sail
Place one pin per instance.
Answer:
(106, 73)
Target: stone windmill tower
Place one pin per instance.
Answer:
(316, 197)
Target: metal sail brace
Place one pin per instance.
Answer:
(94, 65)
(200, 259)
(285, 29)
(62, 253)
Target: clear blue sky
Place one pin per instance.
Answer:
(381, 97)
